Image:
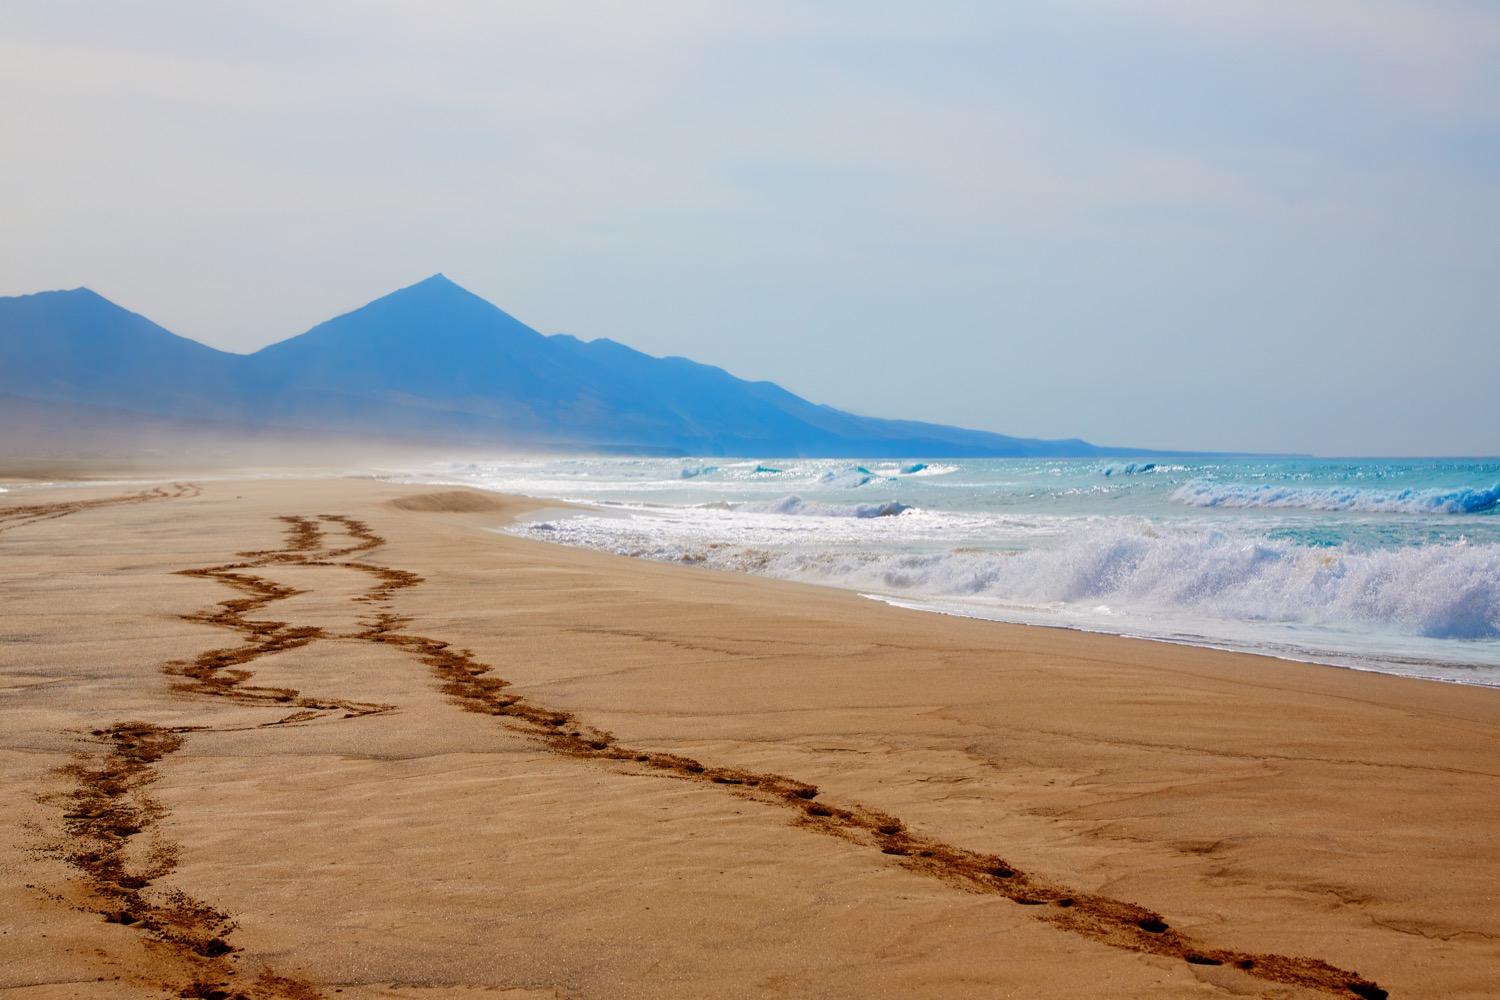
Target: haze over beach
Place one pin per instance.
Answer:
(729, 500)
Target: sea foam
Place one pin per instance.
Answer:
(1447, 591)
(1381, 563)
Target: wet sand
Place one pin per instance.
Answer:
(334, 737)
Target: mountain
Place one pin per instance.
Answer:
(78, 347)
(435, 363)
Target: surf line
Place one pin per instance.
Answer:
(470, 684)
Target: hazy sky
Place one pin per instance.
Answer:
(1218, 224)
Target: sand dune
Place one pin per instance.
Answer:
(319, 737)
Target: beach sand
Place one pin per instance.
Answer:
(336, 737)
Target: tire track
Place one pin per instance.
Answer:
(103, 817)
(24, 514)
(472, 686)
(108, 812)
(108, 807)
(1110, 921)
(220, 673)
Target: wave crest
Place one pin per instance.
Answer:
(807, 508)
(1207, 493)
(1126, 468)
(847, 478)
(1448, 591)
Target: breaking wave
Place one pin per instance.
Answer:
(847, 478)
(1447, 591)
(1206, 493)
(808, 508)
(1126, 468)
(925, 469)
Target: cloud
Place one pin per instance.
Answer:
(745, 182)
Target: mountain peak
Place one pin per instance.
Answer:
(435, 359)
(81, 293)
(432, 337)
(436, 292)
(438, 283)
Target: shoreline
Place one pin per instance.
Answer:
(543, 503)
(1257, 808)
(1390, 662)
(913, 604)
(1205, 644)
(1387, 584)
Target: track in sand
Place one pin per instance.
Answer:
(109, 805)
(24, 514)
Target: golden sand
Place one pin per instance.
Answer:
(329, 737)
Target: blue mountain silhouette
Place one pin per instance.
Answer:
(433, 362)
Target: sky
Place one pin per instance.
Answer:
(1237, 225)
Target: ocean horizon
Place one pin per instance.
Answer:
(1390, 565)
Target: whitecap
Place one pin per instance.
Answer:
(846, 478)
(1126, 468)
(796, 506)
(1208, 493)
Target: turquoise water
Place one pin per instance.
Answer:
(1389, 565)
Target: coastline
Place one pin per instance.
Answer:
(1389, 566)
(1442, 675)
(1258, 806)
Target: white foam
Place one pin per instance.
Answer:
(1145, 551)
(1445, 591)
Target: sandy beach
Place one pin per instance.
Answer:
(314, 737)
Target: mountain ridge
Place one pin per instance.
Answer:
(434, 361)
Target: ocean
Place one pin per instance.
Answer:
(1385, 565)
